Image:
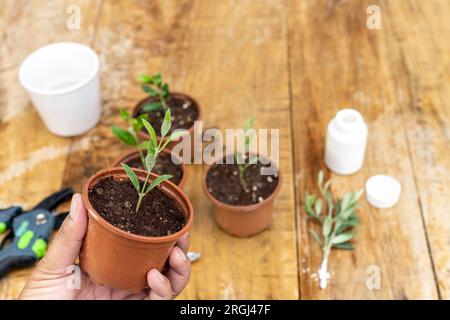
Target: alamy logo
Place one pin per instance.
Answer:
(374, 18)
(73, 22)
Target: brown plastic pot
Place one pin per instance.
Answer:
(144, 135)
(135, 155)
(242, 221)
(121, 260)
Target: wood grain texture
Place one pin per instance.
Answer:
(341, 63)
(292, 64)
(32, 161)
(201, 48)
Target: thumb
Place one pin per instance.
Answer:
(65, 247)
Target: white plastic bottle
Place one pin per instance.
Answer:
(346, 142)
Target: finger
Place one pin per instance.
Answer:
(66, 245)
(160, 288)
(183, 243)
(179, 271)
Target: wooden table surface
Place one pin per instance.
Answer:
(292, 64)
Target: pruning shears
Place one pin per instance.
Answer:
(29, 231)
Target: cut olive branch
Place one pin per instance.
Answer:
(130, 135)
(153, 150)
(155, 87)
(340, 217)
(240, 159)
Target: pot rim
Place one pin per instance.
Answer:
(137, 108)
(129, 154)
(237, 208)
(119, 172)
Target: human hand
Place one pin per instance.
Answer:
(53, 275)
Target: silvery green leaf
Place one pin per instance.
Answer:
(249, 123)
(167, 123)
(318, 206)
(327, 225)
(320, 178)
(343, 246)
(132, 176)
(343, 237)
(151, 132)
(150, 160)
(158, 180)
(346, 201)
(316, 237)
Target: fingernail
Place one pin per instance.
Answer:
(159, 277)
(181, 254)
(74, 206)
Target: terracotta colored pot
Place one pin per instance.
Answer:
(242, 221)
(113, 257)
(135, 155)
(144, 135)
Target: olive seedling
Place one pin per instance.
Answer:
(337, 221)
(153, 150)
(154, 86)
(130, 135)
(241, 154)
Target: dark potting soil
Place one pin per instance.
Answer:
(183, 111)
(159, 214)
(163, 165)
(224, 184)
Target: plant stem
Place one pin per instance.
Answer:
(142, 193)
(323, 273)
(242, 177)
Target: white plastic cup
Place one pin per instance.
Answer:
(346, 142)
(62, 80)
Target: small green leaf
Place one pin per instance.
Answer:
(249, 123)
(165, 90)
(133, 178)
(343, 237)
(316, 237)
(144, 78)
(343, 246)
(150, 161)
(124, 114)
(167, 123)
(326, 228)
(149, 90)
(157, 79)
(124, 136)
(151, 132)
(158, 180)
(320, 179)
(152, 106)
(318, 206)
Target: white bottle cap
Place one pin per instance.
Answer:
(382, 191)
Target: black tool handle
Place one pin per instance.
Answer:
(53, 200)
(8, 263)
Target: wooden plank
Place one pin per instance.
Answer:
(337, 62)
(231, 56)
(422, 86)
(32, 160)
